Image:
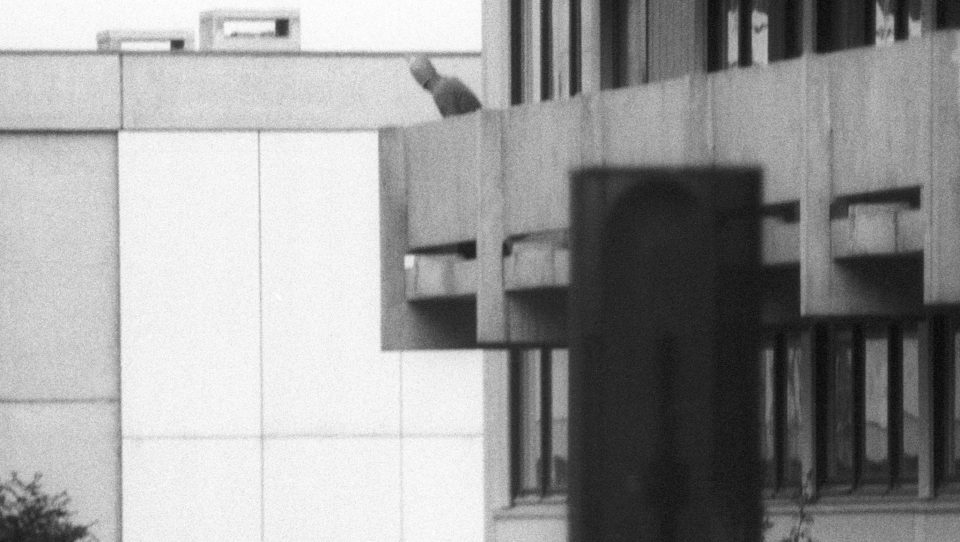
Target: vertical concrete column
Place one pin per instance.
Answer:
(491, 305)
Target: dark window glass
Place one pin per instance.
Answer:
(953, 413)
(517, 50)
(947, 399)
(841, 431)
(774, 30)
(853, 23)
(575, 45)
(623, 43)
(546, 49)
(769, 428)
(539, 418)
(948, 14)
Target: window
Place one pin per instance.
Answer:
(780, 359)
(746, 32)
(623, 43)
(539, 381)
(517, 50)
(575, 45)
(546, 49)
(948, 14)
(843, 23)
(867, 388)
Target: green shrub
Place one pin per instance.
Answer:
(27, 514)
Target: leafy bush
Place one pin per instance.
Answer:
(27, 514)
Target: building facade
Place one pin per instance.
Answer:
(189, 334)
(851, 110)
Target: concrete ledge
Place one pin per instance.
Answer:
(440, 277)
(536, 266)
(880, 229)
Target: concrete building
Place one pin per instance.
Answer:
(189, 332)
(850, 108)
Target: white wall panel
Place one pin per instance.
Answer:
(191, 490)
(443, 489)
(75, 446)
(442, 392)
(323, 369)
(332, 489)
(189, 283)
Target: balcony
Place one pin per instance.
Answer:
(822, 127)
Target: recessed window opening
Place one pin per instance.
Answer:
(948, 14)
(539, 406)
(781, 359)
(546, 49)
(151, 45)
(945, 344)
(251, 28)
(575, 45)
(868, 391)
(623, 43)
(517, 50)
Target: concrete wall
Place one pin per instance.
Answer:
(59, 336)
(251, 356)
(896, 524)
(254, 392)
(319, 91)
(208, 91)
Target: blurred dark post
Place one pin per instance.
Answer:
(664, 387)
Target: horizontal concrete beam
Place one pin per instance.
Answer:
(59, 91)
(440, 277)
(276, 91)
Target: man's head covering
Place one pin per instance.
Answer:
(422, 69)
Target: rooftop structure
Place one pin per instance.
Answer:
(250, 30)
(146, 40)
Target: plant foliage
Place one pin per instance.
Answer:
(27, 514)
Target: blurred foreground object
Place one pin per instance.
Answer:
(664, 387)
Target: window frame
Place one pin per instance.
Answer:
(781, 339)
(546, 489)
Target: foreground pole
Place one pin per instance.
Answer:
(664, 397)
